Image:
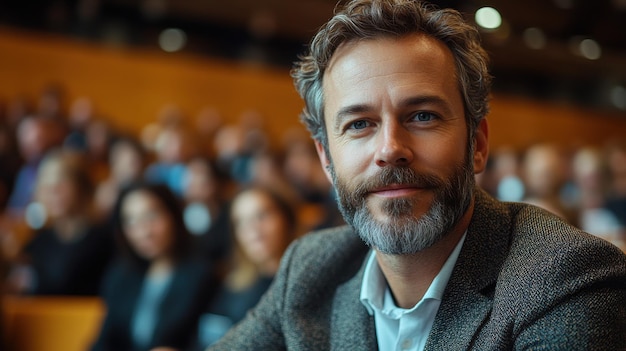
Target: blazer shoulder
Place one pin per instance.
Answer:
(546, 232)
(549, 258)
(325, 257)
(523, 238)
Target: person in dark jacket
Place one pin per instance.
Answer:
(155, 291)
(69, 249)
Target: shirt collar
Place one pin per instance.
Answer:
(374, 284)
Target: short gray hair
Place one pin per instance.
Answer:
(367, 19)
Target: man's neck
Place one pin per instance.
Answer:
(410, 276)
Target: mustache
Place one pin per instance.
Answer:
(388, 176)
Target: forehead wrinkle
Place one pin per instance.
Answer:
(351, 67)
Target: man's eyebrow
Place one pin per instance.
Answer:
(348, 111)
(427, 99)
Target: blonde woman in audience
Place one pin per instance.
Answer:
(69, 251)
(156, 290)
(263, 224)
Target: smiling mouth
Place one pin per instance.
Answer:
(397, 190)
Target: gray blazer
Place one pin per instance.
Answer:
(524, 280)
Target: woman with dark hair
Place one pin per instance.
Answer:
(156, 290)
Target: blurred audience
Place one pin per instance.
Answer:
(170, 116)
(305, 174)
(542, 172)
(68, 251)
(80, 115)
(155, 291)
(17, 108)
(616, 158)
(264, 169)
(174, 147)
(303, 169)
(591, 180)
(51, 102)
(206, 210)
(99, 137)
(35, 136)
(616, 198)
(10, 161)
(231, 156)
(127, 161)
(502, 177)
(263, 225)
(210, 210)
(207, 122)
(3, 275)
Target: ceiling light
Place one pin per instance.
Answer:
(585, 47)
(590, 49)
(172, 39)
(488, 18)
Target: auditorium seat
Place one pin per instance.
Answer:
(51, 323)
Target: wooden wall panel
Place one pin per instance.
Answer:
(520, 122)
(130, 86)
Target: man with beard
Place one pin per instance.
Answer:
(396, 97)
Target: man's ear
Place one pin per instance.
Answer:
(324, 160)
(481, 150)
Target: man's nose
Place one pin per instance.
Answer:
(393, 147)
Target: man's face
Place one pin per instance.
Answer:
(398, 146)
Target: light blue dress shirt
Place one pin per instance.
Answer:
(398, 328)
(147, 309)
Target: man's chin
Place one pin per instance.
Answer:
(397, 212)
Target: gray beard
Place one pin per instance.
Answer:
(404, 233)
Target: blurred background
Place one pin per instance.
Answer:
(558, 52)
(196, 95)
(570, 50)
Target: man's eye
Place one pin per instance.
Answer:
(358, 125)
(424, 116)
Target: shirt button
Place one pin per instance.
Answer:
(406, 344)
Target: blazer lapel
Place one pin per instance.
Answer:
(468, 298)
(352, 328)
